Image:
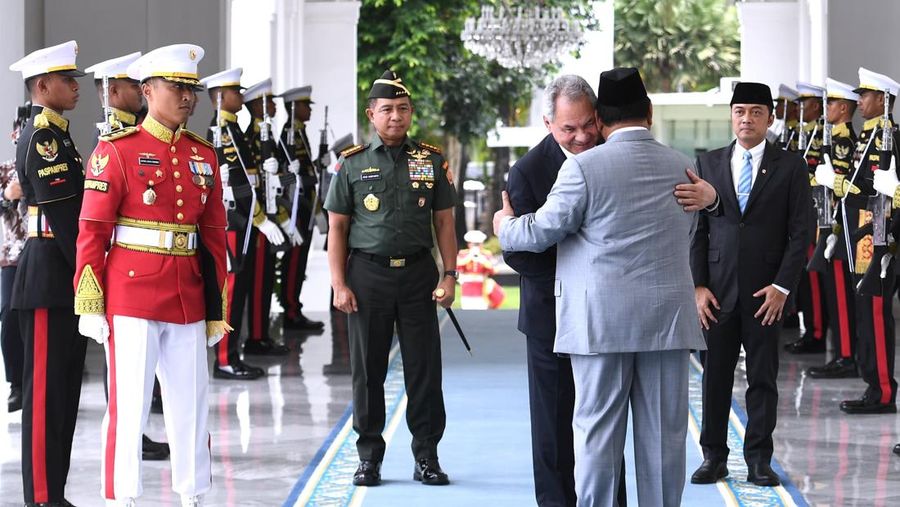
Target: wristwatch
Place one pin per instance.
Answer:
(453, 273)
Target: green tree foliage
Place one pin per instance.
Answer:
(679, 45)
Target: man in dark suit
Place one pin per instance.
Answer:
(570, 117)
(746, 257)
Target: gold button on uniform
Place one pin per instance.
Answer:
(174, 161)
(180, 216)
(178, 188)
(180, 202)
(176, 174)
(172, 149)
(131, 274)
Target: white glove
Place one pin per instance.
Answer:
(271, 232)
(825, 173)
(270, 165)
(886, 182)
(227, 194)
(291, 233)
(223, 174)
(294, 167)
(214, 339)
(95, 327)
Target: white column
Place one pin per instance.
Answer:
(769, 42)
(328, 63)
(818, 40)
(12, 89)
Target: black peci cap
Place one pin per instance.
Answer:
(620, 87)
(752, 93)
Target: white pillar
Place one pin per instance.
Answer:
(328, 63)
(818, 40)
(12, 90)
(769, 42)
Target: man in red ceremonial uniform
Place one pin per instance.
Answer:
(156, 299)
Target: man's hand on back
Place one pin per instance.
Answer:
(696, 195)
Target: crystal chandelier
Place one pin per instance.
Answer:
(528, 37)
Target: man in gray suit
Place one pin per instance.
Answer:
(625, 311)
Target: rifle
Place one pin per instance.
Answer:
(295, 202)
(105, 126)
(272, 184)
(252, 189)
(871, 283)
(823, 199)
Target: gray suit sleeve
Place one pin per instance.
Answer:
(561, 215)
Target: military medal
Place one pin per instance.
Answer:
(203, 198)
(421, 202)
(429, 184)
(149, 196)
(371, 202)
(415, 184)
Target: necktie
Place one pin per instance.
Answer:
(745, 181)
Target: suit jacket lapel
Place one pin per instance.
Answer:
(764, 174)
(728, 194)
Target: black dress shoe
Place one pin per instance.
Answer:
(839, 367)
(154, 451)
(867, 405)
(762, 474)
(897, 449)
(428, 471)
(709, 472)
(14, 402)
(238, 371)
(807, 344)
(368, 473)
(265, 348)
(302, 323)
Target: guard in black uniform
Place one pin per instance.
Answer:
(838, 275)
(381, 207)
(298, 102)
(245, 216)
(874, 316)
(51, 173)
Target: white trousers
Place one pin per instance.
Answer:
(176, 353)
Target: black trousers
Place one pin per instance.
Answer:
(877, 344)
(10, 337)
(811, 300)
(240, 281)
(262, 282)
(54, 362)
(841, 308)
(385, 297)
(294, 262)
(724, 342)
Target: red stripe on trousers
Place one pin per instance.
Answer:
(112, 410)
(290, 293)
(222, 347)
(39, 408)
(880, 349)
(258, 265)
(816, 296)
(843, 317)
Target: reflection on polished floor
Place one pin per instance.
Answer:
(266, 432)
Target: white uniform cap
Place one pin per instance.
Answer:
(809, 90)
(230, 77)
(117, 68)
(839, 90)
(297, 94)
(475, 237)
(176, 63)
(257, 90)
(869, 80)
(59, 58)
(785, 92)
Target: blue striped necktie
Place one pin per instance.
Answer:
(745, 181)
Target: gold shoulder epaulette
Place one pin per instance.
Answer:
(119, 134)
(40, 121)
(430, 147)
(353, 150)
(197, 138)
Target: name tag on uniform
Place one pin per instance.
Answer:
(421, 170)
(370, 174)
(148, 161)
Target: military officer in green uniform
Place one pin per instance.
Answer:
(381, 206)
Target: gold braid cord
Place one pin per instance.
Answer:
(89, 294)
(896, 200)
(216, 327)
